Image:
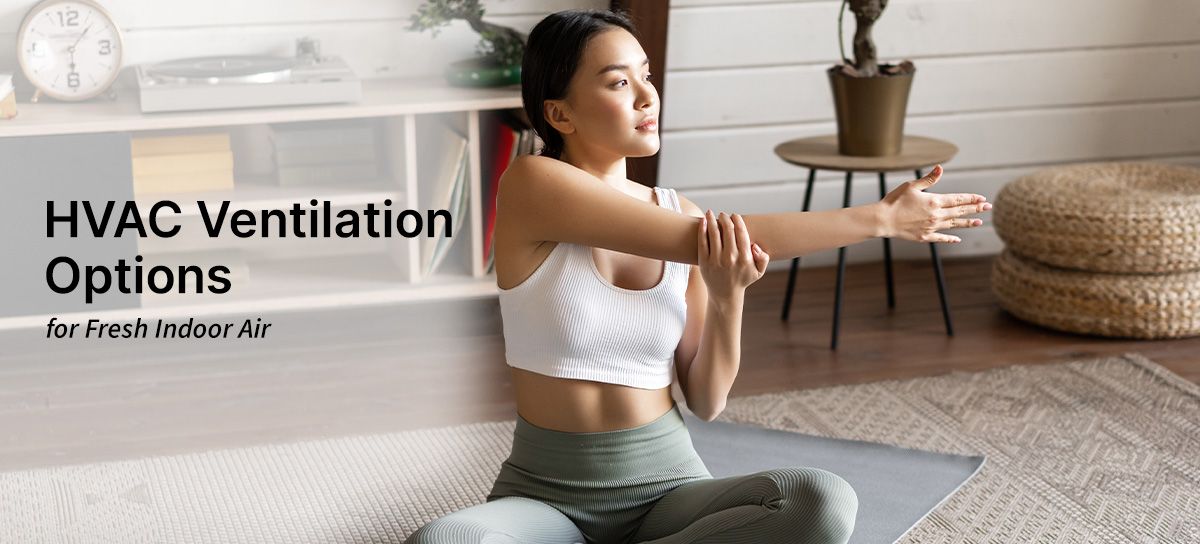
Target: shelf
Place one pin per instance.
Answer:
(288, 285)
(259, 194)
(381, 97)
(304, 280)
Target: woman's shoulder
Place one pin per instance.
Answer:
(526, 160)
(529, 181)
(688, 207)
(530, 175)
(524, 165)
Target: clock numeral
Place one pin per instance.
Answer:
(105, 47)
(68, 18)
(73, 80)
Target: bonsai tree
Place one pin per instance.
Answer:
(865, 63)
(504, 46)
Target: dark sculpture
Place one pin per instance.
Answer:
(866, 63)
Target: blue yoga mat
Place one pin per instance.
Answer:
(896, 487)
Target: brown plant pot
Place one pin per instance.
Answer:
(870, 112)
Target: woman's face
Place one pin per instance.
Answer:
(610, 95)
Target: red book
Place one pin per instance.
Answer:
(505, 139)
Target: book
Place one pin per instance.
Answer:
(503, 153)
(182, 163)
(496, 160)
(458, 210)
(179, 143)
(450, 167)
(527, 136)
(521, 139)
(327, 174)
(307, 134)
(516, 139)
(325, 154)
(536, 145)
(183, 182)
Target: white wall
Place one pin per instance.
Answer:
(369, 34)
(1017, 85)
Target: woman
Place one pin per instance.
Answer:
(608, 289)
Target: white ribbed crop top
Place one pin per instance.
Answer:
(566, 320)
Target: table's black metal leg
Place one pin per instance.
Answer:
(791, 286)
(887, 250)
(941, 282)
(837, 301)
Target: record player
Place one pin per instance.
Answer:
(244, 81)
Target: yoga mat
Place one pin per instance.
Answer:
(896, 487)
(380, 488)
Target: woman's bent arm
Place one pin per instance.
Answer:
(550, 200)
(711, 373)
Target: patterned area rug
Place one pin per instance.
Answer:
(1104, 450)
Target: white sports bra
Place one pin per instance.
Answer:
(566, 320)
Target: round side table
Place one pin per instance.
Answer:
(821, 153)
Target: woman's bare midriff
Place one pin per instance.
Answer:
(582, 406)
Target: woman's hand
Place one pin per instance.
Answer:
(727, 259)
(909, 213)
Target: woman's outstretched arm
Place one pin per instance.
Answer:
(556, 201)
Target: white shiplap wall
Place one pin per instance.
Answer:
(1017, 85)
(369, 34)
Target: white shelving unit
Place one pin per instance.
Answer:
(346, 272)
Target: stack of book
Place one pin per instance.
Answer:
(508, 135)
(325, 152)
(449, 193)
(201, 161)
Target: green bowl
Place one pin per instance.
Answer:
(481, 72)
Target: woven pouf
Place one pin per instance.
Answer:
(1104, 217)
(1120, 305)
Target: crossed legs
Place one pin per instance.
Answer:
(785, 505)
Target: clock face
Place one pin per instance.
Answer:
(69, 49)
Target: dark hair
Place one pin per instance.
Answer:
(552, 54)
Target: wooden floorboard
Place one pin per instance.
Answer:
(392, 368)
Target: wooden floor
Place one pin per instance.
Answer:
(393, 368)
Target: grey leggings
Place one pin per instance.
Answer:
(640, 485)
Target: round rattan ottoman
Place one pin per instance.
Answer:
(1104, 217)
(1109, 249)
(1119, 305)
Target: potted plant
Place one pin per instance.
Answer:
(870, 99)
(500, 47)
